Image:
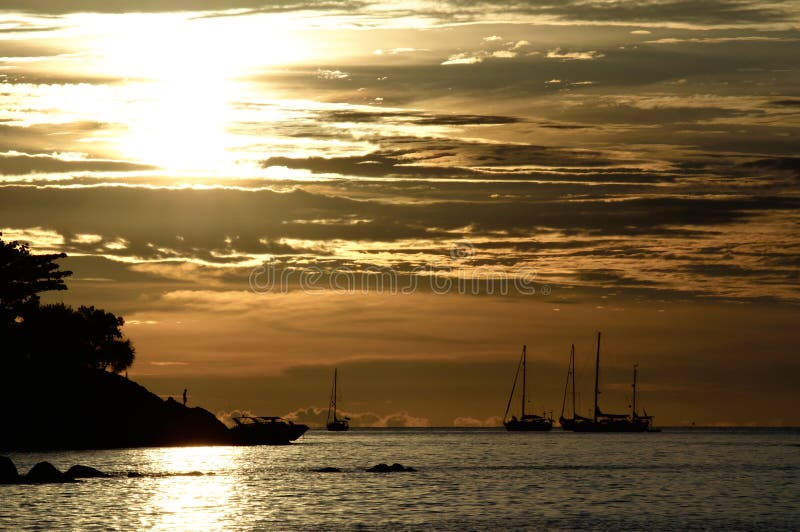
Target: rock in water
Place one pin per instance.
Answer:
(8, 471)
(394, 468)
(45, 473)
(328, 470)
(82, 471)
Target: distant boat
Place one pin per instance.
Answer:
(265, 430)
(571, 423)
(603, 422)
(526, 422)
(335, 423)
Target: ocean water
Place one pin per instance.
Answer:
(466, 479)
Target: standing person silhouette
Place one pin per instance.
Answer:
(184, 397)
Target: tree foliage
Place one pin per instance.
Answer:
(23, 276)
(53, 336)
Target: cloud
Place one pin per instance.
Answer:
(493, 421)
(504, 54)
(413, 117)
(720, 40)
(787, 164)
(787, 103)
(573, 56)
(672, 13)
(508, 50)
(15, 163)
(210, 7)
(37, 237)
(464, 58)
(87, 238)
(332, 74)
(316, 417)
(398, 51)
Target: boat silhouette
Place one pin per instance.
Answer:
(603, 421)
(571, 423)
(334, 423)
(526, 422)
(265, 430)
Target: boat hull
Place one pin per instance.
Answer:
(572, 424)
(611, 426)
(538, 425)
(338, 426)
(278, 433)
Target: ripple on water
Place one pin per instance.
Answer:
(464, 480)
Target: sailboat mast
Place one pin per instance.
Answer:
(596, 378)
(335, 371)
(634, 389)
(572, 364)
(566, 387)
(524, 372)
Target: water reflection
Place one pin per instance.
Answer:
(191, 502)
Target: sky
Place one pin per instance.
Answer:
(411, 191)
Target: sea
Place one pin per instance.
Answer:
(464, 479)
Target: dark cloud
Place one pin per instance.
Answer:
(786, 103)
(710, 12)
(427, 119)
(29, 164)
(789, 164)
(412, 156)
(227, 228)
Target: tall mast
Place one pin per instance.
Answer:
(572, 363)
(566, 387)
(596, 378)
(524, 349)
(634, 389)
(335, 371)
(513, 387)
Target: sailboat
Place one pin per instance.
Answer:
(571, 423)
(635, 417)
(526, 422)
(604, 422)
(335, 423)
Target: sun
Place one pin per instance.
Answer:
(182, 80)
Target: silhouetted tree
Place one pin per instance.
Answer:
(23, 276)
(86, 337)
(53, 336)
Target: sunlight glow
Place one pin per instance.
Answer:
(182, 502)
(179, 115)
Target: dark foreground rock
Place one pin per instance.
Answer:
(82, 471)
(385, 468)
(8, 471)
(45, 473)
(93, 409)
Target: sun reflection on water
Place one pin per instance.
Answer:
(191, 502)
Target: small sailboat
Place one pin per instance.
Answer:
(526, 422)
(645, 420)
(335, 423)
(570, 423)
(604, 422)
